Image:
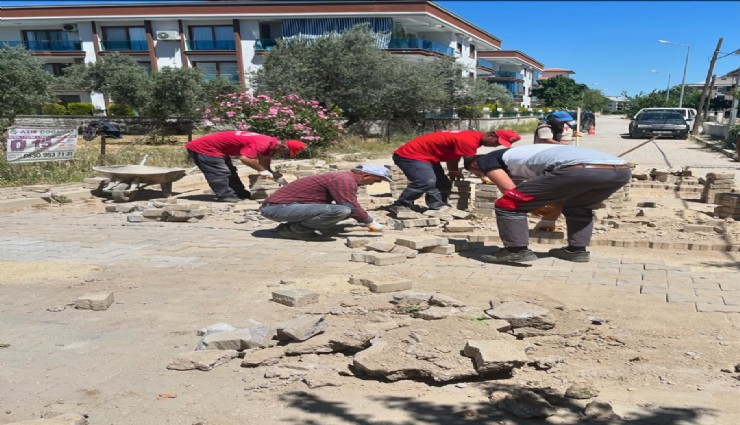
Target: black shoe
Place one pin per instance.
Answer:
(395, 209)
(228, 199)
(505, 256)
(574, 256)
(286, 232)
(244, 195)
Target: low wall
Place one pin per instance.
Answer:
(381, 128)
(713, 129)
(128, 125)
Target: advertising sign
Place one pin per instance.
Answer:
(34, 144)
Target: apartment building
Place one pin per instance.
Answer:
(230, 38)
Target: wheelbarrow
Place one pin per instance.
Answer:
(126, 180)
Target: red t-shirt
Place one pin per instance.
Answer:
(233, 143)
(440, 146)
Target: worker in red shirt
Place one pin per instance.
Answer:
(420, 160)
(212, 154)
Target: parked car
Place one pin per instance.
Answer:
(659, 123)
(587, 119)
(689, 114)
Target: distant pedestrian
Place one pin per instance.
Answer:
(553, 130)
(573, 177)
(420, 160)
(212, 154)
(309, 207)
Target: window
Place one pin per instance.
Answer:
(265, 31)
(48, 40)
(219, 37)
(66, 99)
(472, 50)
(459, 47)
(228, 70)
(56, 69)
(125, 38)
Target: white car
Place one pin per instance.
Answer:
(689, 114)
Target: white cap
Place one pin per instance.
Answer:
(376, 170)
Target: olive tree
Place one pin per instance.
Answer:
(175, 92)
(24, 85)
(119, 77)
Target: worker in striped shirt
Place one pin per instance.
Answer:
(312, 205)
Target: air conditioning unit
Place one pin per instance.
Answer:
(168, 35)
(69, 27)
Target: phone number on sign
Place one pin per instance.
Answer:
(47, 155)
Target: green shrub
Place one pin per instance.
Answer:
(470, 112)
(734, 130)
(121, 110)
(53, 109)
(79, 108)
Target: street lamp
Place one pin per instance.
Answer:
(685, 67)
(668, 89)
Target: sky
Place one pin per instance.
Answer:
(611, 45)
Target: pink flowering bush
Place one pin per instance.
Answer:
(288, 117)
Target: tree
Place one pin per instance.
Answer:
(219, 86)
(24, 84)
(560, 92)
(175, 92)
(118, 77)
(594, 100)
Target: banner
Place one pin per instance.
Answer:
(34, 144)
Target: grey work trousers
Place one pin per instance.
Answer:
(577, 189)
(306, 217)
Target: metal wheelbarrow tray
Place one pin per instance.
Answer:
(126, 180)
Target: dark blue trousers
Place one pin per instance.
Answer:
(426, 179)
(221, 175)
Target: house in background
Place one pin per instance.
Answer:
(512, 69)
(230, 39)
(552, 72)
(616, 103)
(724, 86)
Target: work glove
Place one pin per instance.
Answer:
(546, 225)
(266, 173)
(456, 175)
(374, 226)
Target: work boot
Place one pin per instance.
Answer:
(228, 199)
(395, 209)
(286, 231)
(505, 256)
(574, 256)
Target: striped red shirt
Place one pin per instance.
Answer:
(340, 188)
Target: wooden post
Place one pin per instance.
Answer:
(102, 150)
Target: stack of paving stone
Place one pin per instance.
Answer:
(400, 182)
(716, 183)
(485, 196)
(388, 251)
(169, 211)
(460, 196)
(729, 205)
(261, 188)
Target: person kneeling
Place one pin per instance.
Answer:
(310, 206)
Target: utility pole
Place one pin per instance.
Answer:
(706, 107)
(705, 89)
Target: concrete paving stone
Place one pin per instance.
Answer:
(682, 298)
(648, 289)
(729, 285)
(717, 308)
(659, 274)
(629, 276)
(692, 285)
(559, 273)
(543, 279)
(633, 267)
(732, 299)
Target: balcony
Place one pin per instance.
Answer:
(211, 45)
(482, 63)
(509, 74)
(125, 45)
(265, 44)
(230, 77)
(419, 44)
(47, 45)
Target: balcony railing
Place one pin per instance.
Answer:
(232, 77)
(482, 63)
(47, 45)
(121, 45)
(265, 44)
(509, 74)
(417, 43)
(211, 45)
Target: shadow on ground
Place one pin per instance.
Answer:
(316, 411)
